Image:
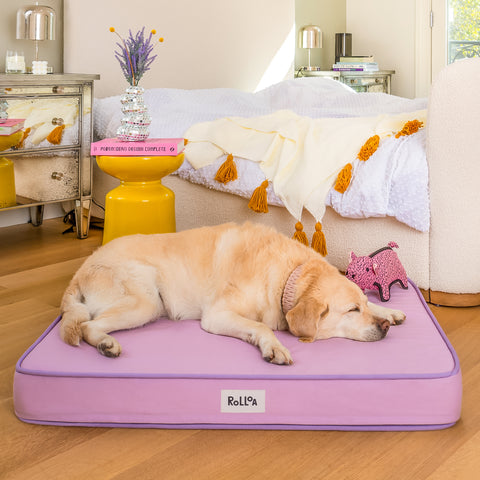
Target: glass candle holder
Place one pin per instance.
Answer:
(14, 62)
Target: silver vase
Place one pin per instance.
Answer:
(136, 120)
(3, 111)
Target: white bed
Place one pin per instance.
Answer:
(381, 187)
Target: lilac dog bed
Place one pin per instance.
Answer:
(175, 375)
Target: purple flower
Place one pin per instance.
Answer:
(135, 54)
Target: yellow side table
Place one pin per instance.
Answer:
(140, 204)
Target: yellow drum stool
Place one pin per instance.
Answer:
(140, 204)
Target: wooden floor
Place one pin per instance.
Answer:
(35, 267)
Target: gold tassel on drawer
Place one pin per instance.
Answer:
(319, 243)
(369, 148)
(344, 178)
(258, 201)
(227, 171)
(299, 234)
(55, 136)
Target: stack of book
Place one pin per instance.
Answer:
(360, 63)
(11, 125)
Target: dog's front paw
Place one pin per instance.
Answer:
(277, 354)
(396, 317)
(109, 347)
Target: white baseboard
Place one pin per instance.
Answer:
(21, 215)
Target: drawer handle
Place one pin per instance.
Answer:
(57, 175)
(57, 121)
(58, 89)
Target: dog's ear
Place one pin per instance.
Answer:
(304, 317)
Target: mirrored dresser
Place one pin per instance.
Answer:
(45, 143)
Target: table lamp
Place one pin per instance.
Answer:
(37, 23)
(310, 36)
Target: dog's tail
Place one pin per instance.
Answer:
(74, 313)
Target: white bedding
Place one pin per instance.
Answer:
(393, 182)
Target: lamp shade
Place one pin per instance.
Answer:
(310, 36)
(36, 22)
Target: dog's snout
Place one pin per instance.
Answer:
(383, 326)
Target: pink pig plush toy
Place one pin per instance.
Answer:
(380, 270)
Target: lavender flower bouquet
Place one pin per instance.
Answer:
(135, 54)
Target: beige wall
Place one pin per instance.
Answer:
(386, 29)
(193, 29)
(50, 50)
(208, 43)
(330, 16)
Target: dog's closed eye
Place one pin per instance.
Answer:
(353, 308)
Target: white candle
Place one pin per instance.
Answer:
(14, 62)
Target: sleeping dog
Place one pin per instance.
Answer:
(241, 281)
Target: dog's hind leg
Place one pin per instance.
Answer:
(129, 312)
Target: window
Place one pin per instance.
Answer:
(463, 29)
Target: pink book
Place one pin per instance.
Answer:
(11, 125)
(149, 147)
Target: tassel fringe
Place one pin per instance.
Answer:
(344, 178)
(258, 201)
(319, 243)
(369, 148)
(299, 234)
(227, 171)
(410, 127)
(55, 136)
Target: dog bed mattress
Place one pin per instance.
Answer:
(175, 375)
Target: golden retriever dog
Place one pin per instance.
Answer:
(240, 281)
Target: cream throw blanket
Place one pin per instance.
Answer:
(300, 156)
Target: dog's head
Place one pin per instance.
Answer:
(327, 305)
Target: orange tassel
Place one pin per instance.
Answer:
(319, 243)
(369, 148)
(185, 142)
(55, 136)
(258, 201)
(227, 171)
(410, 127)
(344, 178)
(299, 234)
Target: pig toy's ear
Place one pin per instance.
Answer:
(375, 266)
(352, 256)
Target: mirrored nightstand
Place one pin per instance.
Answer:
(379, 81)
(51, 166)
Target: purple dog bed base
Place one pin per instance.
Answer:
(175, 375)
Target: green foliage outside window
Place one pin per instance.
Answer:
(463, 29)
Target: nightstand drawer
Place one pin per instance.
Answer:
(46, 177)
(370, 83)
(364, 80)
(50, 122)
(41, 90)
